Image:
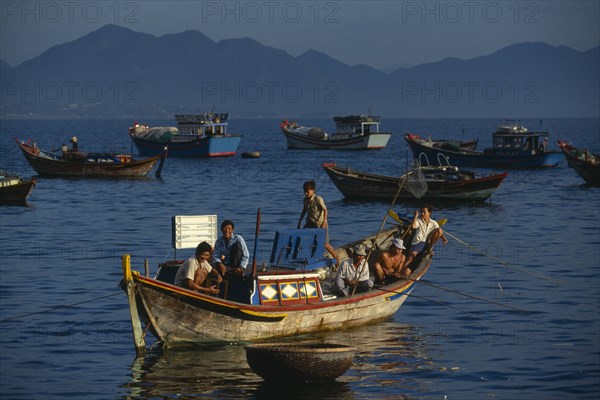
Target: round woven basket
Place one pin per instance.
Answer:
(299, 361)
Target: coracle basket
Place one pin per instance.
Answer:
(307, 361)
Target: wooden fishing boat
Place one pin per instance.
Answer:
(585, 163)
(290, 295)
(88, 165)
(444, 183)
(354, 132)
(195, 136)
(513, 147)
(13, 189)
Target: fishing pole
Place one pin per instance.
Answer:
(502, 262)
(362, 265)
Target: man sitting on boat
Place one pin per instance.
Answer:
(194, 271)
(353, 273)
(427, 232)
(231, 253)
(390, 263)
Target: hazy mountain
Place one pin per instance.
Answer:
(116, 72)
(4, 65)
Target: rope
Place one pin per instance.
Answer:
(433, 301)
(470, 296)
(58, 307)
(503, 263)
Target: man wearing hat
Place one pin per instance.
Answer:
(391, 262)
(353, 273)
(74, 144)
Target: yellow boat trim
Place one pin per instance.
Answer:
(187, 293)
(265, 315)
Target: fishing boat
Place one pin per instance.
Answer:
(444, 183)
(289, 294)
(513, 147)
(13, 189)
(354, 132)
(195, 136)
(88, 165)
(585, 163)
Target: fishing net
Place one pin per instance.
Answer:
(414, 181)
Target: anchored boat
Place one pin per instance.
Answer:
(354, 132)
(88, 165)
(584, 162)
(444, 183)
(13, 189)
(513, 147)
(195, 136)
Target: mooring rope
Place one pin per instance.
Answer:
(58, 307)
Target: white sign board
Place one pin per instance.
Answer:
(189, 230)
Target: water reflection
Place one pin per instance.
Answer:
(389, 357)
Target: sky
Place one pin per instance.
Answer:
(381, 34)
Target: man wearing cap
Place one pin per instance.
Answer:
(391, 262)
(231, 253)
(353, 273)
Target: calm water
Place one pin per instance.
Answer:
(64, 250)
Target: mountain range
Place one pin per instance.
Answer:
(115, 72)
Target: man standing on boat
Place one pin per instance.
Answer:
(316, 212)
(231, 253)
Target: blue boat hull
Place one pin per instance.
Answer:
(477, 159)
(214, 146)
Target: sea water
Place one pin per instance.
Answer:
(64, 323)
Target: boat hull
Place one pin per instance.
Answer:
(358, 185)
(586, 169)
(350, 142)
(208, 319)
(214, 146)
(477, 159)
(176, 315)
(52, 166)
(16, 193)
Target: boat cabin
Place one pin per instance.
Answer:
(8, 180)
(357, 124)
(208, 124)
(512, 138)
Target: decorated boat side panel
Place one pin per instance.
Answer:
(302, 289)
